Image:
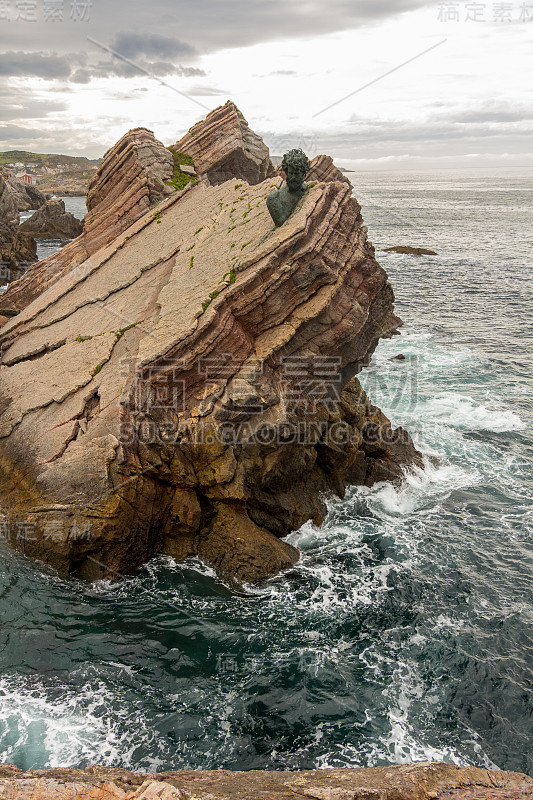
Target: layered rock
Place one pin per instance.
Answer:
(51, 221)
(129, 181)
(222, 147)
(422, 781)
(322, 169)
(192, 391)
(17, 249)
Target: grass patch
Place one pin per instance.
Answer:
(180, 179)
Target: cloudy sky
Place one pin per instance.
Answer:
(376, 84)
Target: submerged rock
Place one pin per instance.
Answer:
(419, 781)
(411, 251)
(51, 221)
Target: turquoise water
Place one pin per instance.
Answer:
(405, 630)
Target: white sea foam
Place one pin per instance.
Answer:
(68, 727)
(464, 413)
(419, 489)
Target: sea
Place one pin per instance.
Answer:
(405, 631)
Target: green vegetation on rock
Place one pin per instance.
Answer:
(180, 179)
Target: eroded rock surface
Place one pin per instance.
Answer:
(51, 221)
(129, 181)
(421, 781)
(223, 147)
(192, 391)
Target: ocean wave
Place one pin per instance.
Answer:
(464, 413)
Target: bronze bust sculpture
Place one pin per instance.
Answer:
(282, 202)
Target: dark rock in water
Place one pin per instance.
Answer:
(419, 781)
(412, 251)
(36, 197)
(189, 388)
(51, 221)
(25, 195)
(17, 249)
(399, 357)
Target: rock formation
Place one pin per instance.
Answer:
(51, 221)
(26, 196)
(130, 180)
(322, 169)
(189, 390)
(222, 147)
(421, 781)
(17, 249)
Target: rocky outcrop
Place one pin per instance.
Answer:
(223, 147)
(17, 249)
(419, 781)
(51, 221)
(322, 169)
(191, 390)
(139, 159)
(26, 196)
(129, 181)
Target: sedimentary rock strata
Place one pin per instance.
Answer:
(192, 391)
(422, 781)
(322, 169)
(130, 180)
(51, 221)
(223, 146)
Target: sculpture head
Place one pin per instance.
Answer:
(295, 165)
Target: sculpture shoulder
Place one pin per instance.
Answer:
(275, 206)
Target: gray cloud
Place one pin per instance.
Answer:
(40, 65)
(207, 91)
(29, 109)
(8, 132)
(207, 25)
(134, 45)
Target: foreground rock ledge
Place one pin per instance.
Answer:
(422, 781)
